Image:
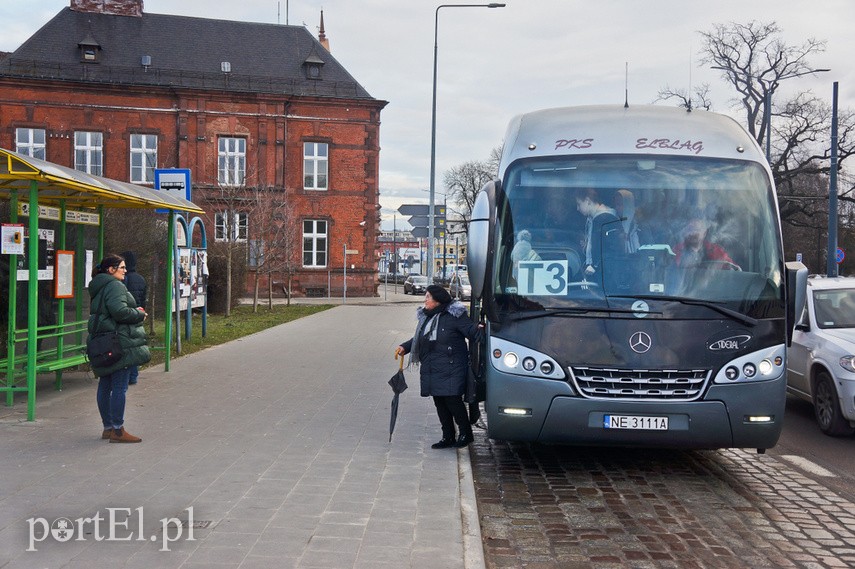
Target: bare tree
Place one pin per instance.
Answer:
(464, 181)
(276, 239)
(698, 99)
(755, 61)
(231, 205)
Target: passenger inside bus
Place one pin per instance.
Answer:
(603, 231)
(625, 210)
(695, 250)
(522, 250)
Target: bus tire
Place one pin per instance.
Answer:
(826, 407)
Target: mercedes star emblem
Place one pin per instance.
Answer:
(640, 342)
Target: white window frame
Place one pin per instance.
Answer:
(231, 161)
(26, 142)
(89, 152)
(144, 150)
(238, 226)
(315, 231)
(316, 173)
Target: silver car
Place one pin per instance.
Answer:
(821, 360)
(415, 284)
(459, 286)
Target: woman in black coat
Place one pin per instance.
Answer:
(439, 348)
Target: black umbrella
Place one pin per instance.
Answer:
(399, 384)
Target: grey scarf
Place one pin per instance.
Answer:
(426, 328)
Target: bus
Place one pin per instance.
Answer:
(628, 264)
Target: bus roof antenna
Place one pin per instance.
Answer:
(626, 86)
(689, 93)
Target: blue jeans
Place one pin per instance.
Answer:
(135, 373)
(111, 398)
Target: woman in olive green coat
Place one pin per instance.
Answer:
(113, 308)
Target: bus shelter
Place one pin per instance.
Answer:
(36, 189)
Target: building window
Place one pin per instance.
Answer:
(231, 226)
(256, 253)
(89, 152)
(315, 165)
(143, 158)
(30, 141)
(314, 243)
(231, 161)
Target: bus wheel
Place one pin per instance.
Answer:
(826, 407)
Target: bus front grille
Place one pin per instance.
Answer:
(640, 384)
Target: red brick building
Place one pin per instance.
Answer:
(260, 113)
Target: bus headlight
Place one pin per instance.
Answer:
(762, 365)
(509, 357)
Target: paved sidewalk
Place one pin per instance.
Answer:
(279, 444)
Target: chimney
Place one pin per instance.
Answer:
(111, 7)
(322, 36)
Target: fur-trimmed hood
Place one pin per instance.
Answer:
(456, 309)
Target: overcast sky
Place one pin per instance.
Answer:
(496, 63)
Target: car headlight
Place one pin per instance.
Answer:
(848, 363)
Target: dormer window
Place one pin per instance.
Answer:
(90, 50)
(312, 66)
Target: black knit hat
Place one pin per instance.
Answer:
(439, 294)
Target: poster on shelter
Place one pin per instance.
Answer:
(45, 257)
(192, 277)
(12, 238)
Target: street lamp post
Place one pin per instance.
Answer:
(433, 128)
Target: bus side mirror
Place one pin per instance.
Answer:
(797, 275)
(479, 238)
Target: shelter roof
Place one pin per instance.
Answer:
(78, 189)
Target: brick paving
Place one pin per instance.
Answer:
(546, 507)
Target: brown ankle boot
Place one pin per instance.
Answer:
(122, 436)
(106, 434)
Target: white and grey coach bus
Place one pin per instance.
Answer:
(628, 262)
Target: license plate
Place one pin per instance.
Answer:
(635, 422)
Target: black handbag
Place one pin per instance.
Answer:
(103, 349)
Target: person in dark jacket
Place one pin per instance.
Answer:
(439, 348)
(113, 308)
(138, 288)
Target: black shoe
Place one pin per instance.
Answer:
(464, 440)
(444, 443)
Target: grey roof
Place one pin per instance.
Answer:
(185, 52)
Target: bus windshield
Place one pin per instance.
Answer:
(579, 232)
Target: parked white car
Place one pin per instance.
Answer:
(821, 360)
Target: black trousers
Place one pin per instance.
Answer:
(450, 410)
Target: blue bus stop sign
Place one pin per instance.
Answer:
(840, 255)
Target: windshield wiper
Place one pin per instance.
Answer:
(738, 316)
(564, 312)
